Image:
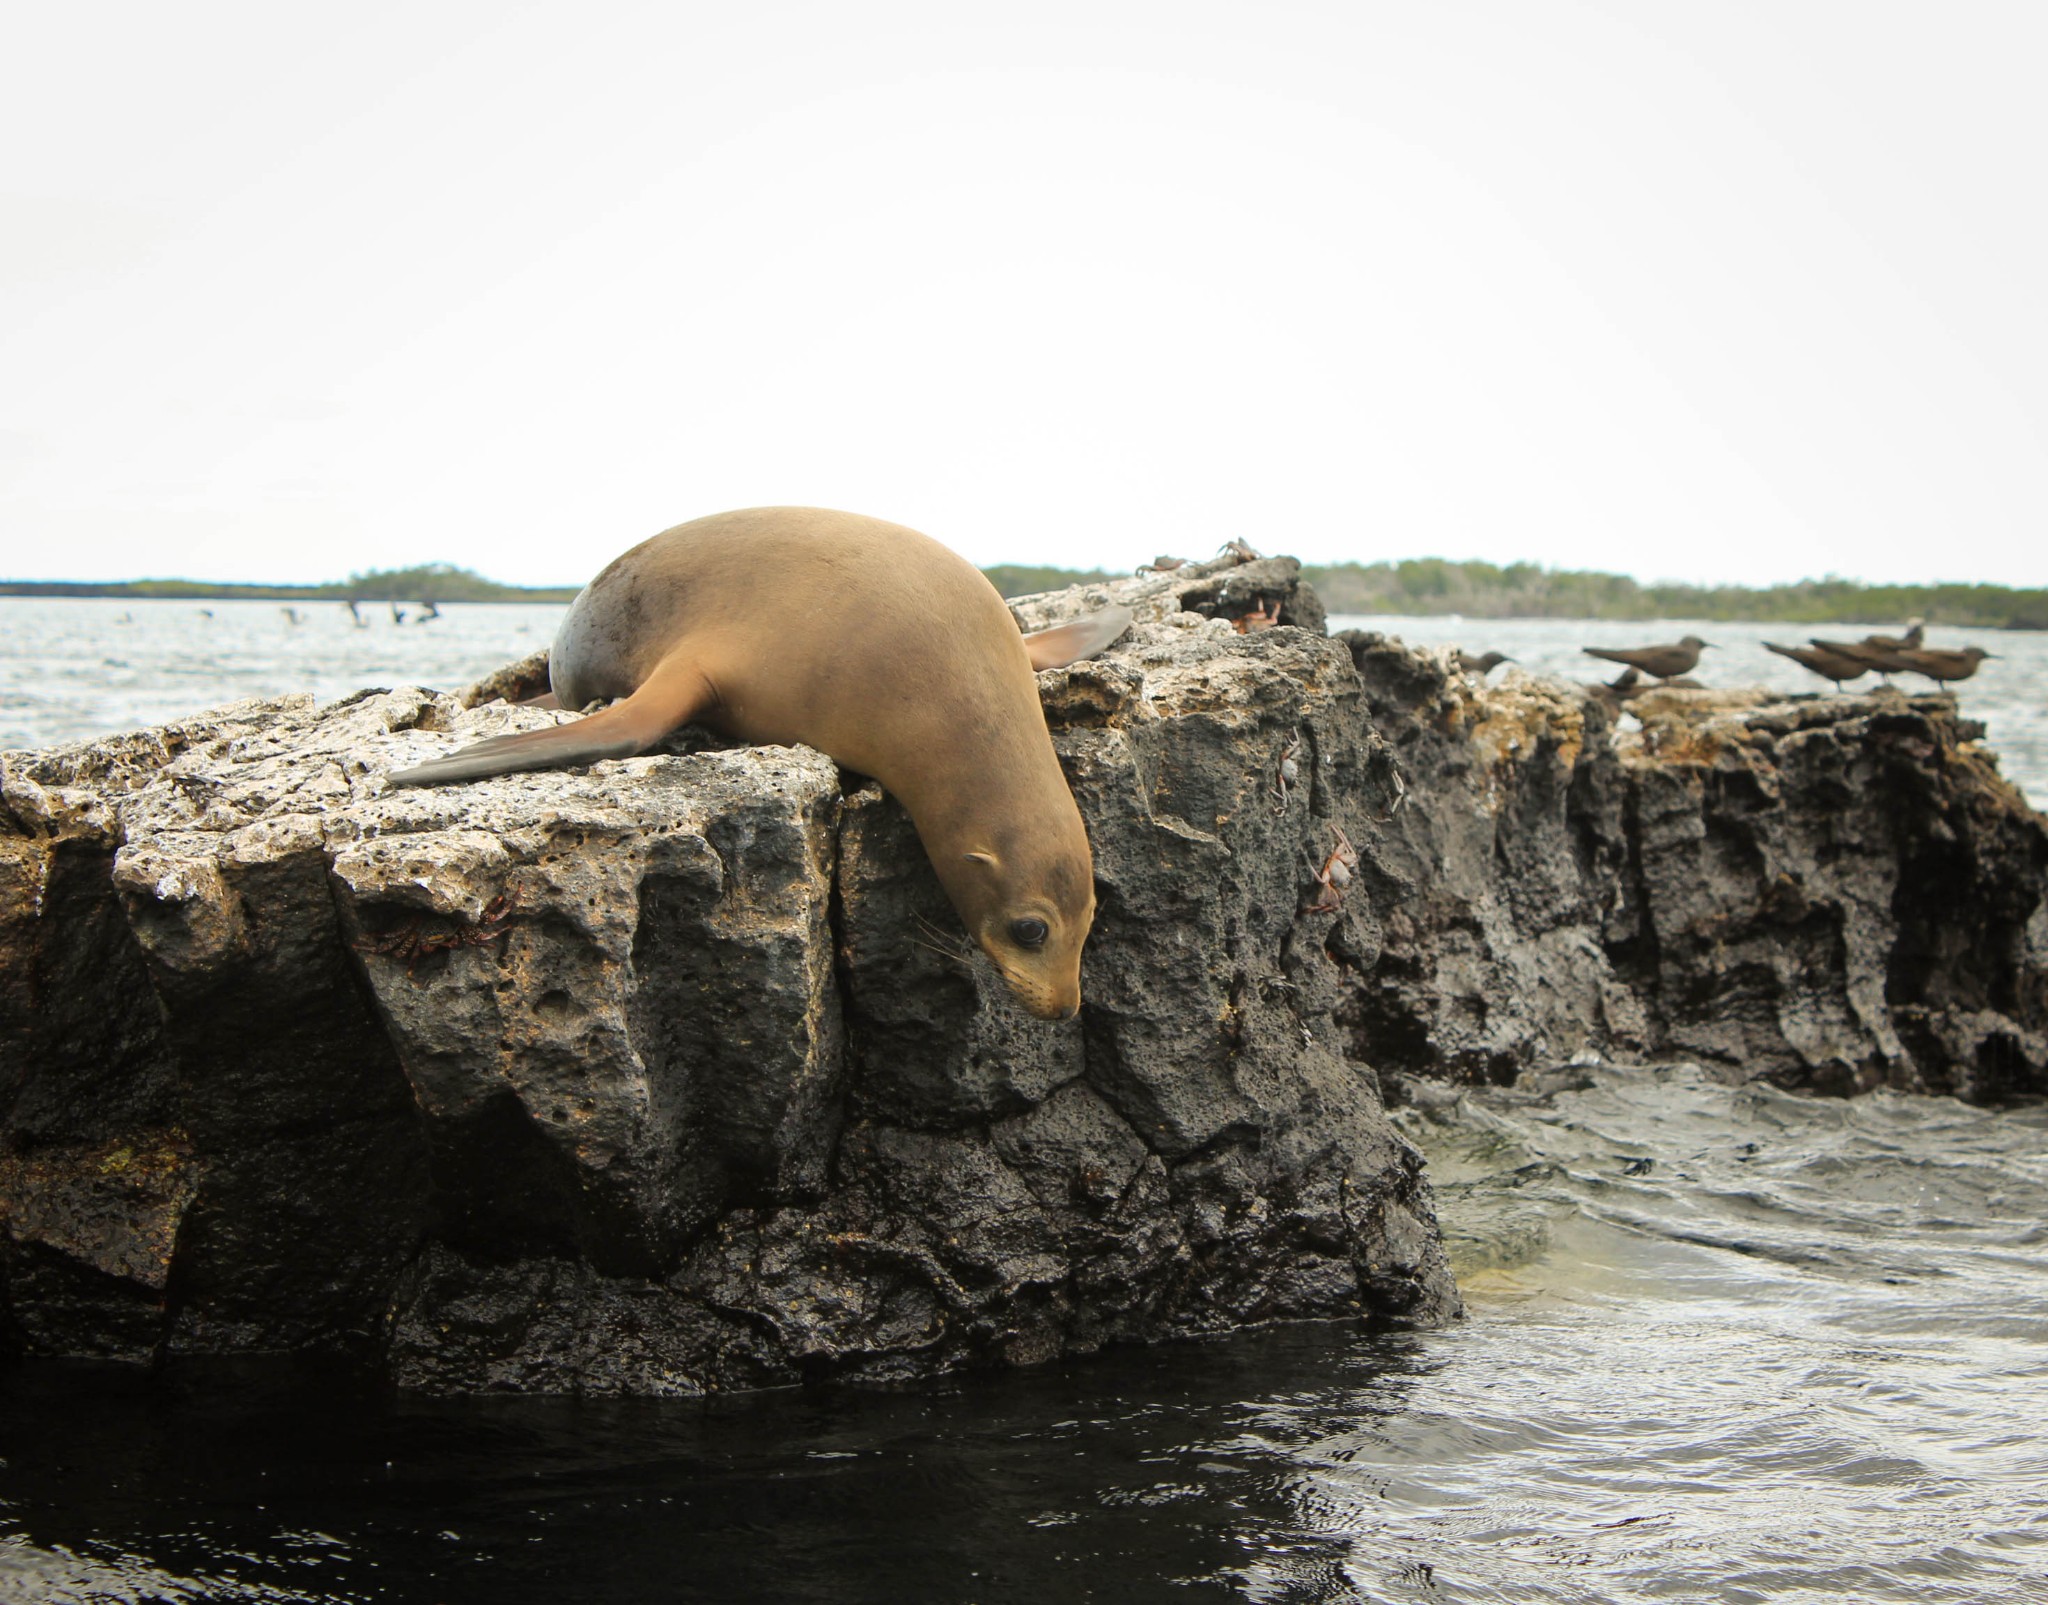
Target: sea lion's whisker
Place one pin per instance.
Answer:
(960, 959)
(939, 933)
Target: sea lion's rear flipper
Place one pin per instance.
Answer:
(1080, 638)
(674, 694)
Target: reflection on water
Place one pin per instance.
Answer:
(1725, 1345)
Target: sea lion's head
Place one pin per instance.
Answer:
(1031, 915)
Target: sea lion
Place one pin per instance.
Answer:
(882, 649)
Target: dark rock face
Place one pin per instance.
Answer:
(1836, 893)
(678, 1074)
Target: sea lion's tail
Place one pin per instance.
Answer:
(673, 695)
(1081, 638)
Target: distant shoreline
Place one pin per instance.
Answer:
(1418, 587)
(208, 591)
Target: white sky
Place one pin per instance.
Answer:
(1723, 290)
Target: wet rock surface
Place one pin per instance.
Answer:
(677, 1073)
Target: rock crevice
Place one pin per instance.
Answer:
(677, 1073)
(1836, 893)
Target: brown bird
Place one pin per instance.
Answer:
(1915, 633)
(1481, 666)
(1835, 666)
(1661, 661)
(1886, 660)
(1944, 666)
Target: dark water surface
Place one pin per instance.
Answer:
(1725, 1345)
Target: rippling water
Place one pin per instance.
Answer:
(1725, 1345)
(76, 667)
(71, 668)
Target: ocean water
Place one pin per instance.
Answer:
(72, 668)
(76, 667)
(1724, 1343)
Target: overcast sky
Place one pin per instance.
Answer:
(1724, 291)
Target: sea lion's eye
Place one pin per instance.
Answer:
(1030, 932)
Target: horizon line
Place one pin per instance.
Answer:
(374, 576)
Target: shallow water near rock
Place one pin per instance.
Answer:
(1725, 1343)
(72, 668)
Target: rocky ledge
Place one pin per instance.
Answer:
(677, 1074)
(1836, 893)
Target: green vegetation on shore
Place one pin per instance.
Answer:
(1426, 585)
(1022, 579)
(1435, 585)
(427, 582)
(1523, 590)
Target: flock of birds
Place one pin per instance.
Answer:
(1885, 655)
(1835, 661)
(424, 612)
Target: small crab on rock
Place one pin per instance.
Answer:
(1286, 773)
(1263, 616)
(411, 941)
(1335, 875)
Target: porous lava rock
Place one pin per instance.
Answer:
(1833, 892)
(677, 1073)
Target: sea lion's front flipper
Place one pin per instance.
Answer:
(674, 694)
(1080, 638)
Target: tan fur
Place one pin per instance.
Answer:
(870, 642)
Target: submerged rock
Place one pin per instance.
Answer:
(677, 1073)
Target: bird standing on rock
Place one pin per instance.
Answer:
(1916, 632)
(1835, 666)
(1661, 661)
(1886, 660)
(1879, 652)
(1942, 666)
